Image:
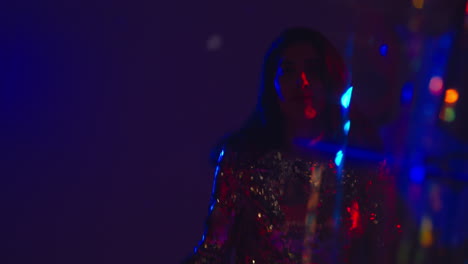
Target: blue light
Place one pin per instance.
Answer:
(346, 97)
(417, 174)
(347, 126)
(339, 158)
(407, 93)
(384, 50)
(221, 154)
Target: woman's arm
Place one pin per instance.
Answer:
(217, 241)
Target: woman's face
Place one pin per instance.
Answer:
(301, 92)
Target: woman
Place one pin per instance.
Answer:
(279, 194)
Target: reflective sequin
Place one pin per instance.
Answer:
(285, 211)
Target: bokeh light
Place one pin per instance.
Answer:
(447, 114)
(435, 198)
(451, 96)
(384, 50)
(214, 42)
(417, 174)
(418, 4)
(339, 158)
(426, 238)
(414, 24)
(436, 85)
(347, 126)
(407, 93)
(346, 97)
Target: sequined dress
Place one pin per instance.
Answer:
(275, 209)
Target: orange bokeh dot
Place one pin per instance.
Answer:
(418, 4)
(451, 96)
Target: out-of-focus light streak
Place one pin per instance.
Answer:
(347, 126)
(426, 238)
(220, 158)
(339, 158)
(311, 217)
(435, 198)
(346, 97)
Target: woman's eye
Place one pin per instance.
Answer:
(313, 69)
(285, 71)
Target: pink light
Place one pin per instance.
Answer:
(436, 85)
(304, 79)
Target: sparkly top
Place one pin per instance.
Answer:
(275, 209)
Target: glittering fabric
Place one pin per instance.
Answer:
(287, 210)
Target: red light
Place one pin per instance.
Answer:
(354, 215)
(304, 79)
(466, 8)
(398, 226)
(310, 112)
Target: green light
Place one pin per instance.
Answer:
(449, 114)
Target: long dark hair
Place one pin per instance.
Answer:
(264, 129)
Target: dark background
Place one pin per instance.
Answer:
(109, 110)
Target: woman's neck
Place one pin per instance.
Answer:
(301, 138)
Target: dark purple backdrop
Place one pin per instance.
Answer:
(109, 109)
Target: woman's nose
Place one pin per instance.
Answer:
(302, 81)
